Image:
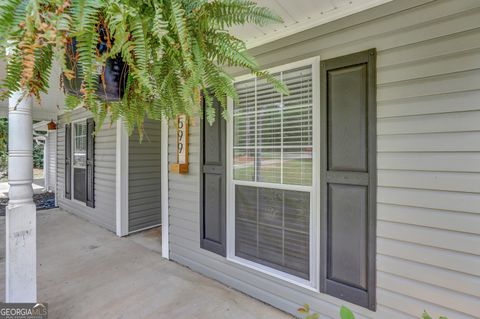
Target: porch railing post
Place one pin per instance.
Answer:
(21, 235)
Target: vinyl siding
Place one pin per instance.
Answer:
(144, 202)
(428, 195)
(105, 147)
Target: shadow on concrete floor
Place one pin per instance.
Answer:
(85, 271)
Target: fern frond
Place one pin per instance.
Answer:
(178, 23)
(175, 52)
(85, 14)
(42, 70)
(160, 26)
(226, 13)
(10, 10)
(139, 46)
(228, 50)
(11, 83)
(72, 102)
(278, 85)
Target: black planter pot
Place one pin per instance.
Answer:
(115, 75)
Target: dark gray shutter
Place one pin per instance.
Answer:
(348, 123)
(68, 161)
(213, 184)
(90, 173)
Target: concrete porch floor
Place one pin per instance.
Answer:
(85, 271)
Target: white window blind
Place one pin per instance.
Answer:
(80, 145)
(272, 228)
(273, 132)
(272, 143)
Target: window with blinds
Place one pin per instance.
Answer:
(273, 132)
(80, 145)
(272, 144)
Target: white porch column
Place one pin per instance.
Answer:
(21, 236)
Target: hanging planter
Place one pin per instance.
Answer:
(164, 56)
(112, 75)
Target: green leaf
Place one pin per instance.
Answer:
(425, 315)
(346, 313)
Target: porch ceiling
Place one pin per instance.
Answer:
(51, 104)
(300, 15)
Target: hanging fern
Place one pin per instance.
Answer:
(175, 51)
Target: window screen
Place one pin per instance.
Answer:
(273, 132)
(272, 143)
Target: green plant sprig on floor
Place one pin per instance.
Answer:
(174, 49)
(345, 313)
(425, 315)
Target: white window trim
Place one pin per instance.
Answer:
(72, 148)
(121, 178)
(164, 189)
(314, 189)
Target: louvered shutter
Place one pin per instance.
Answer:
(213, 184)
(348, 179)
(68, 161)
(90, 164)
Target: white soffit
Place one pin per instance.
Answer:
(299, 15)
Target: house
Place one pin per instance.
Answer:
(361, 187)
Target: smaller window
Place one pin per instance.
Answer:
(80, 145)
(273, 133)
(79, 155)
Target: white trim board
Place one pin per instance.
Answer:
(121, 172)
(164, 188)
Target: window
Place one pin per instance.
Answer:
(80, 145)
(272, 151)
(79, 160)
(273, 133)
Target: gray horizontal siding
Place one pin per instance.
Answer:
(428, 192)
(144, 202)
(105, 147)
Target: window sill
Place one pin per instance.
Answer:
(306, 284)
(78, 202)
